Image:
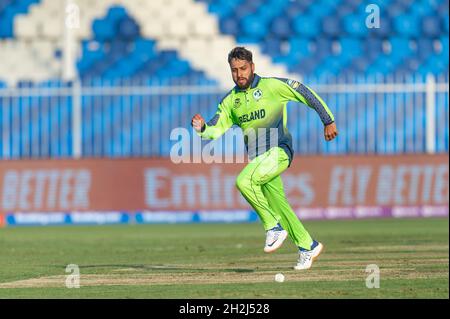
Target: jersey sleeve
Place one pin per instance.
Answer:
(291, 90)
(220, 122)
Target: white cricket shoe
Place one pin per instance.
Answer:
(275, 238)
(306, 257)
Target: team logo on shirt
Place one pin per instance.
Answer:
(257, 94)
(293, 84)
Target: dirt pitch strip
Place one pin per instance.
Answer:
(344, 271)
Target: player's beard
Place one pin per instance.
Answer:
(246, 84)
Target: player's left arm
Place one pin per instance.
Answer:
(291, 90)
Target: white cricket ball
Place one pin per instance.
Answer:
(279, 277)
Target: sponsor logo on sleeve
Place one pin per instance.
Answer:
(293, 84)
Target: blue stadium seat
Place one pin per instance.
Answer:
(411, 64)
(285, 59)
(6, 23)
(401, 46)
(276, 10)
(360, 64)
(434, 65)
(351, 46)
(300, 47)
(245, 10)
(353, 3)
(385, 28)
(421, 8)
(330, 66)
(445, 23)
(304, 66)
(443, 54)
(8, 10)
(355, 25)
(115, 14)
(4, 4)
(323, 47)
(128, 29)
(407, 25)
(281, 27)
(443, 7)
(384, 64)
(105, 29)
(297, 8)
(252, 26)
(144, 50)
(25, 84)
(306, 26)
(144, 45)
(322, 9)
(395, 9)
(424, 48)
(120, 46)
(404, 3)
(373, 47)
(331, 26)
(272, 46)
(102, 30)
(344, 10)
(381, 3)
(431, 26)
(221, 9)
(229, 25)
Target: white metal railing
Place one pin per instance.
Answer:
(389, 115)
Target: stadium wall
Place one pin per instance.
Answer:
(122, 191)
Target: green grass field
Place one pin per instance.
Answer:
(225, 261)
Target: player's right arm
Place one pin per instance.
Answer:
(218, 125)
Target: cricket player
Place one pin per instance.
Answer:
(258, 104)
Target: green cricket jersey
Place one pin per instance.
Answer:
(260, 111)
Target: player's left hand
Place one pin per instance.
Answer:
(330, 131)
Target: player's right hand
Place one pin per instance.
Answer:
(197, 122)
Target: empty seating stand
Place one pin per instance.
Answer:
(330, 37)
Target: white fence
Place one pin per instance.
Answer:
(374, 116)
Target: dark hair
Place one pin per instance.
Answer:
(240, 53)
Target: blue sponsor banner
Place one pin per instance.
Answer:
(37, 219)
(120, 217)
(164, 217)
(225, 216)
(64, 218)
(233, 216)
(100, 218)
(175, 217)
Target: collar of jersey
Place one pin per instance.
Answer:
(255, 82)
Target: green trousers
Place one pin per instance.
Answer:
(261, 185)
